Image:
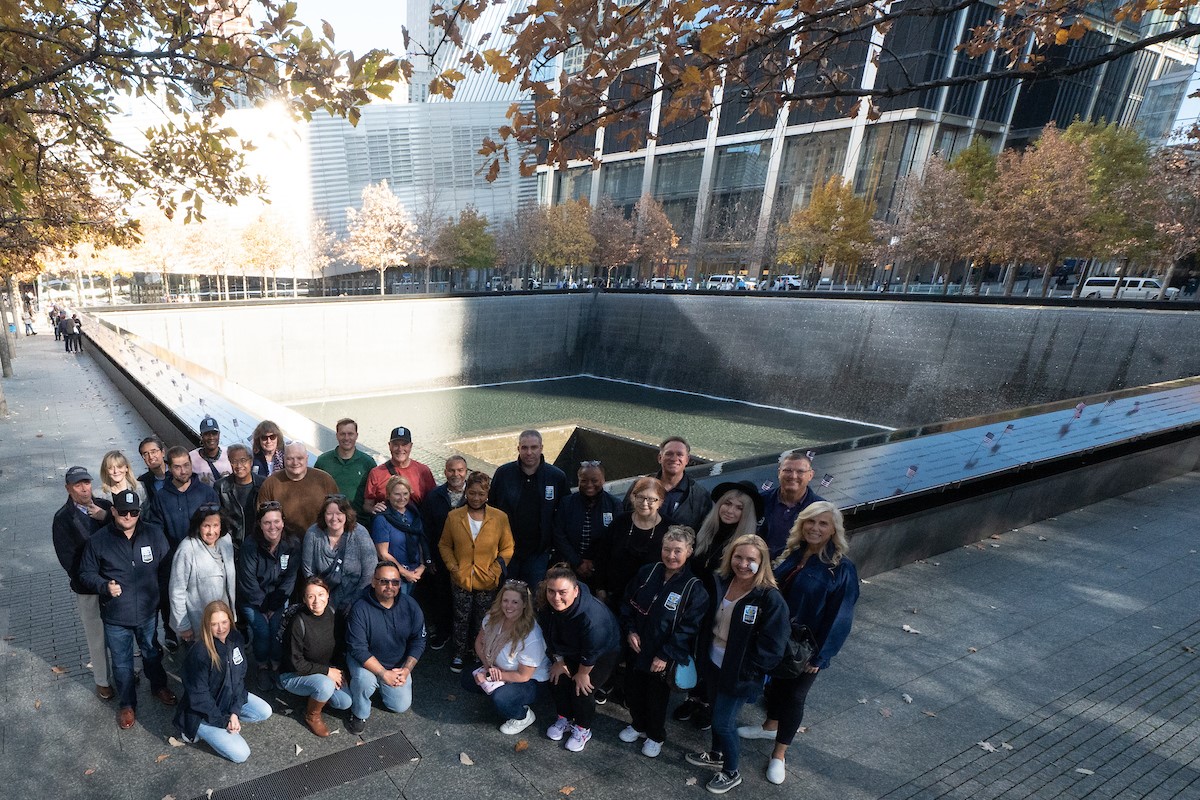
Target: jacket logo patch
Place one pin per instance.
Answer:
(749, 614)
(672, 601)
(549, 492)
(283, 561)
(237, 655)
(147, 554)
(606, 517)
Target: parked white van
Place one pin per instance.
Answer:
(1131, 289)
(722, 282)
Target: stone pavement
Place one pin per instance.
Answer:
(1055, 661)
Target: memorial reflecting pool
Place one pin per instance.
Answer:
(716, 428)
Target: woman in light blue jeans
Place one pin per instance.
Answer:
(310, 653)
(215, 702)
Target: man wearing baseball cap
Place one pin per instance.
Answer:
(122, 564)
(420, 477)
(74, 524)
(209, 462)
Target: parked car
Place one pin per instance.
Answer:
(787, 283)
(666, 283)
(1131, 289)
(724, 283)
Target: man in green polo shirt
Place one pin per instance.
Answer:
(347, 464)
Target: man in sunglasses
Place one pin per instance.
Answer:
(123, 563)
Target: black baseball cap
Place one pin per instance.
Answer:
(209, 424)
(77, 474)
(127, 501)
(401, 433)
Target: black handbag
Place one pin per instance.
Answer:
(797, 652)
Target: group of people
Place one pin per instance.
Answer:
(67, 327)
(333, 579)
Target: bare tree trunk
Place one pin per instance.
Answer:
(1010, 278)
(1166, 281)
(1046, 280)
(382, 274)
(1083, 276)
(5, 355)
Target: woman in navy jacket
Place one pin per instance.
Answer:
(742, 640)
(215, 702)
(820, 586)
(582, 521)
(583, 642)
(660, 617)
(270, 562)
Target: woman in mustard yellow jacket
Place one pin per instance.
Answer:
(476, 544)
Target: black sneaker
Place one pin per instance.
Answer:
(722, 782)
(600, 696)
(456, 665)
(707, 758)
(685, 710)
(702, 719)
(355, 725)
(438, 641)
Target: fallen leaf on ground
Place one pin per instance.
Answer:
(414, 759)
(802, 729)
(9, 638)
(907, 698)
(208, 793)
(168, 797)
(997, 536)
(299, 749)
(885, 712)
(909, 629)
(1083, 771)
(37, 704)
(521, 746)
(450, 697)
(566, 790)
(995, 545)
(90, 771)
(690, 782)
(465, 760)
(1188, 649)
(437, 732)
(929, 713)
(972, 650)
(161, 758)
(987, 746)
(57, 670)
(868, 582)
(862, 701)
(1043, 539)
(171, 740)
(1006, 745)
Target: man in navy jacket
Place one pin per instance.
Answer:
(122, 564)
(529, 490)
(385, 637)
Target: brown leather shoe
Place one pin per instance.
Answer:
(165, 696)
(105, 692)
(125, 718)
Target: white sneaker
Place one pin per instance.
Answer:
(651, 748)
(775, 771)
(514, 726)
(630, 734)
(556, 731)
(755, 732)
(579, 738)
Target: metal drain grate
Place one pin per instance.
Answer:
(323, 773)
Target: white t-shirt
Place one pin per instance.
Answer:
(476, 527)
(530, 653)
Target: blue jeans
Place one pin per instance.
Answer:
(263, 632)
(318, 687)
(512, 700)
(363, 685)
(725, 709)
(231, 745)
(120, 641)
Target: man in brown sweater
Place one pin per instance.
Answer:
(300, 489)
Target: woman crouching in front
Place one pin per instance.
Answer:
(215, 702)
(742, 639)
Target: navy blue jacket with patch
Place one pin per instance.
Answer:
(135, 563)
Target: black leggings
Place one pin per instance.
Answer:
(581, 708)
(785, 702)
(647, 695)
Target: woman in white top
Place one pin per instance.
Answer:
(116, 475)
(203, 571)
(512, 651)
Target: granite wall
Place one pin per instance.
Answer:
(897, 363)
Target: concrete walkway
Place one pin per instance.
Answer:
(1058, 660)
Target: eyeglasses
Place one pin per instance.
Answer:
(335, 498)
(133, 512)
(210, 508)
(268, 437)
(239, 461)
(388, 581)
(270, 505)
(589, 464)
(647, 499)
(515, 584)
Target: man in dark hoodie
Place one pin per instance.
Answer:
(385, 637)
(529, 491)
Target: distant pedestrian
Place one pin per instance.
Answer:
(29, 331)
(66, 332)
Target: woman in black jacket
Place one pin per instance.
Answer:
(660, 616)
(583, 642)
(742, 639)
(270, 561)
(215, 702)
(634, 539)
(313, 656)
(581, 523)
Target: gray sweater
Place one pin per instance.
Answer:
(357, 556)
(197, 578)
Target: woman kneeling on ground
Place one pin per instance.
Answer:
(584, 641)
(312, 649)
(660, 617)
(820, 586)
(741, 641)
(215, 702)
(513, 654)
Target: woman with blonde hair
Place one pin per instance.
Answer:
(512, 653)
(116, 475)
(399, 535)
(820, 585)
(742, 639)
(215, 702)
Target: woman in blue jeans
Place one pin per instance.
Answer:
(215, 702)
(270, 562)
(310, 660)
(512, 652)
(742, 639)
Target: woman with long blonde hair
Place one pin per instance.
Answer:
(512, 652)
(116, 475)
(215, 702)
